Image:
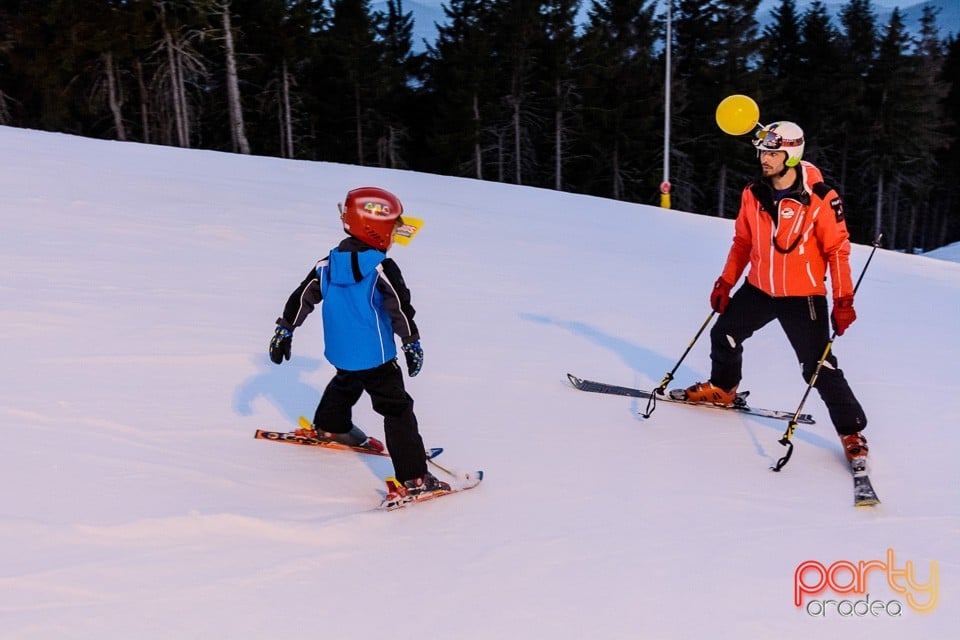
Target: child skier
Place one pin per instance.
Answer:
(365, 302)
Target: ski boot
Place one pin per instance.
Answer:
(353, 438)
(706, 393)
(400, 493)
(855, 448)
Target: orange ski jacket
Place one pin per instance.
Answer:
(790, 243)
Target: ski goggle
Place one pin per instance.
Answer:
(771, 141)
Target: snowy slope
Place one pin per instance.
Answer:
(949, 252)
(138, 290)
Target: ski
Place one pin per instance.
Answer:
(740, 407)
(397, 498)
(863, 493)
(291, 437)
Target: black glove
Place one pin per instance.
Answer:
(414, 354)
(280, 345)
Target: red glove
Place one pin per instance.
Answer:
(720, 296)
(843, 314)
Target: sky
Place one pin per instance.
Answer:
(429, 12)
(140, 285)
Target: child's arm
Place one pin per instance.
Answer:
(396, 300)
(303, 300)
(299, 305)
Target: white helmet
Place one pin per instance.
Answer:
(781, 136)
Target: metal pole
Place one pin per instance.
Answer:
(668, 45)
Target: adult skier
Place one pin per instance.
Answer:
(790, 229)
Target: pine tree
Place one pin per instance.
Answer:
(459, 86)
(517, 44)
(781, 55)
(945, 227)
(717, 55)
(620, 85)
(394, 97)
(818, 51)
(353, 56)
(924, 96)
(858, 44)
(557, 82)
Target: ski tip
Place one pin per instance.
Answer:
(433, 452)
(574, 380)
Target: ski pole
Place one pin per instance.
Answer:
(442, 468)
(652, 401)
(792, 426)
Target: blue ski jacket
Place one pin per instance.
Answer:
(365, 302)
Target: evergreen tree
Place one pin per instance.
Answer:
(517, 49)
(858, 43)
(781, 53)
(924, 94)
(885, 86)
(621, 93)
(353, 55)
(557, 83)
(717, 55)
(394, 99)
(945, 226)
(459, 85)
(819, 52)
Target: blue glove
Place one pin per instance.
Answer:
(414, 354)
(280, 345)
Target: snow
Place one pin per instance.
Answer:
(950, 252)
(139, 290)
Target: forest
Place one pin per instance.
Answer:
(559, 94)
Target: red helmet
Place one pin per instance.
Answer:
(370, 214)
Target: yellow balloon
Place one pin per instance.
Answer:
(737, 114)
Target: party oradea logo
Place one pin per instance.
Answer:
(865, 588)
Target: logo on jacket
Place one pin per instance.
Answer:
(837, 205)
(787, 212)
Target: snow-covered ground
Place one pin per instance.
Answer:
(138, 290)
(949, 252)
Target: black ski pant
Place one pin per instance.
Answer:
(384, 384)
(807, 325)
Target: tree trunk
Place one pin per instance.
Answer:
(116, 103)
(144, 102)
(477, 149)
(878, 214)
(392, 146)
(287, 118)
(617, 178)
(357, 114)
(235, 109)
(517, 152)
(912, 229)
(181, 97)
(177, 94)
(558, 146)
(893, 209)
(722, 191)
(558, 140)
